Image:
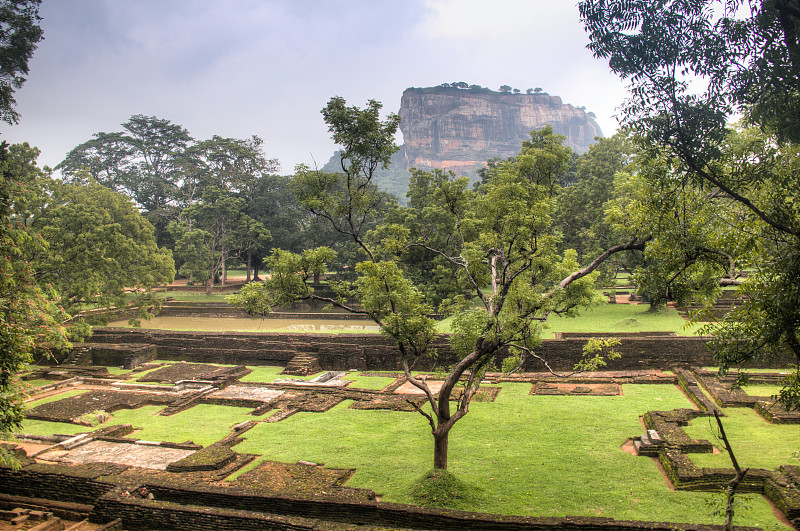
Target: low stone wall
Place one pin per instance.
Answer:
(56, 482)
(214, 508)
(378, 352)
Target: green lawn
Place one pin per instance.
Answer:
(43, 427)
(215, 422)
(621, 318)
(270, 374)
(199, 296)
(368, 382)
(29, 385)
(546, 457)
(612, 318)
(755, 442)
(761, 389)
(52, 398)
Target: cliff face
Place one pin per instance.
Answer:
(460, 129)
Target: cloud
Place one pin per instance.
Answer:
(267, 67)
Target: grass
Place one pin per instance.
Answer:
(621, 318)
(546, 458)
(270, 374)
(117, 371)
(755, 442)
(611, 318)
(43, 427)
(31, 384)
(52, 398)
(761, 389)
(198, 296)
(215, 422)
(368, 382)
(440, 488)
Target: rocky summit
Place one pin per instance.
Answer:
(460, 129)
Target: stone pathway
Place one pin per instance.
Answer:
(247, 392)
(141, 455)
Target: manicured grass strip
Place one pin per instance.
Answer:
(368, 382)
(620, 318)
(117, 371)
(31, 384)
(52, 398)
(611, 318)
(529, 455)
(246, 468)
(734, 372)
(198, 296)
(761, 390)
(755, 442)
(268, 374)
(43, 427)
(204, 423)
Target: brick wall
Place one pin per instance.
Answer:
(213, 508)
(377, 352)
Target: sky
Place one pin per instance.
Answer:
(238, 68)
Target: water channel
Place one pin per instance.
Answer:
(247, 324)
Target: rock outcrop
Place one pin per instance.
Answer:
(460, 129)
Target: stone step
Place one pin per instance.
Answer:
(647, 450)
(303, 364)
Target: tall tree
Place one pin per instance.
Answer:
(692, 66)
(580, 207)
(500, 243)
(99, 246)
(231, 164)
(29, 317)
(212, 232)
(19, 35)
(143, 161)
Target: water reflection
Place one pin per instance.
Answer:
(245, 324)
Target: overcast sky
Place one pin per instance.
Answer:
(236, 68)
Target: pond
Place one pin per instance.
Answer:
(246, 324)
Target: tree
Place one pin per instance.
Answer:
(19, 35)
(212, 232)
(580, 213)
(529, 91)
(501, 238)
(29, 317)
(99, 246)
(505, 88)
(230, 164)
(144, 161)
(691, 67)
(694, 243)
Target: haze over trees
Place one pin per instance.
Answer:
(691, 67)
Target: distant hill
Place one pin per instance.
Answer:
(459, 129)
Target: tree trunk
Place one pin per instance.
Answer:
(209, 283)
(249, 262)
(316, 278)
(224, 275)
(440, 450)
